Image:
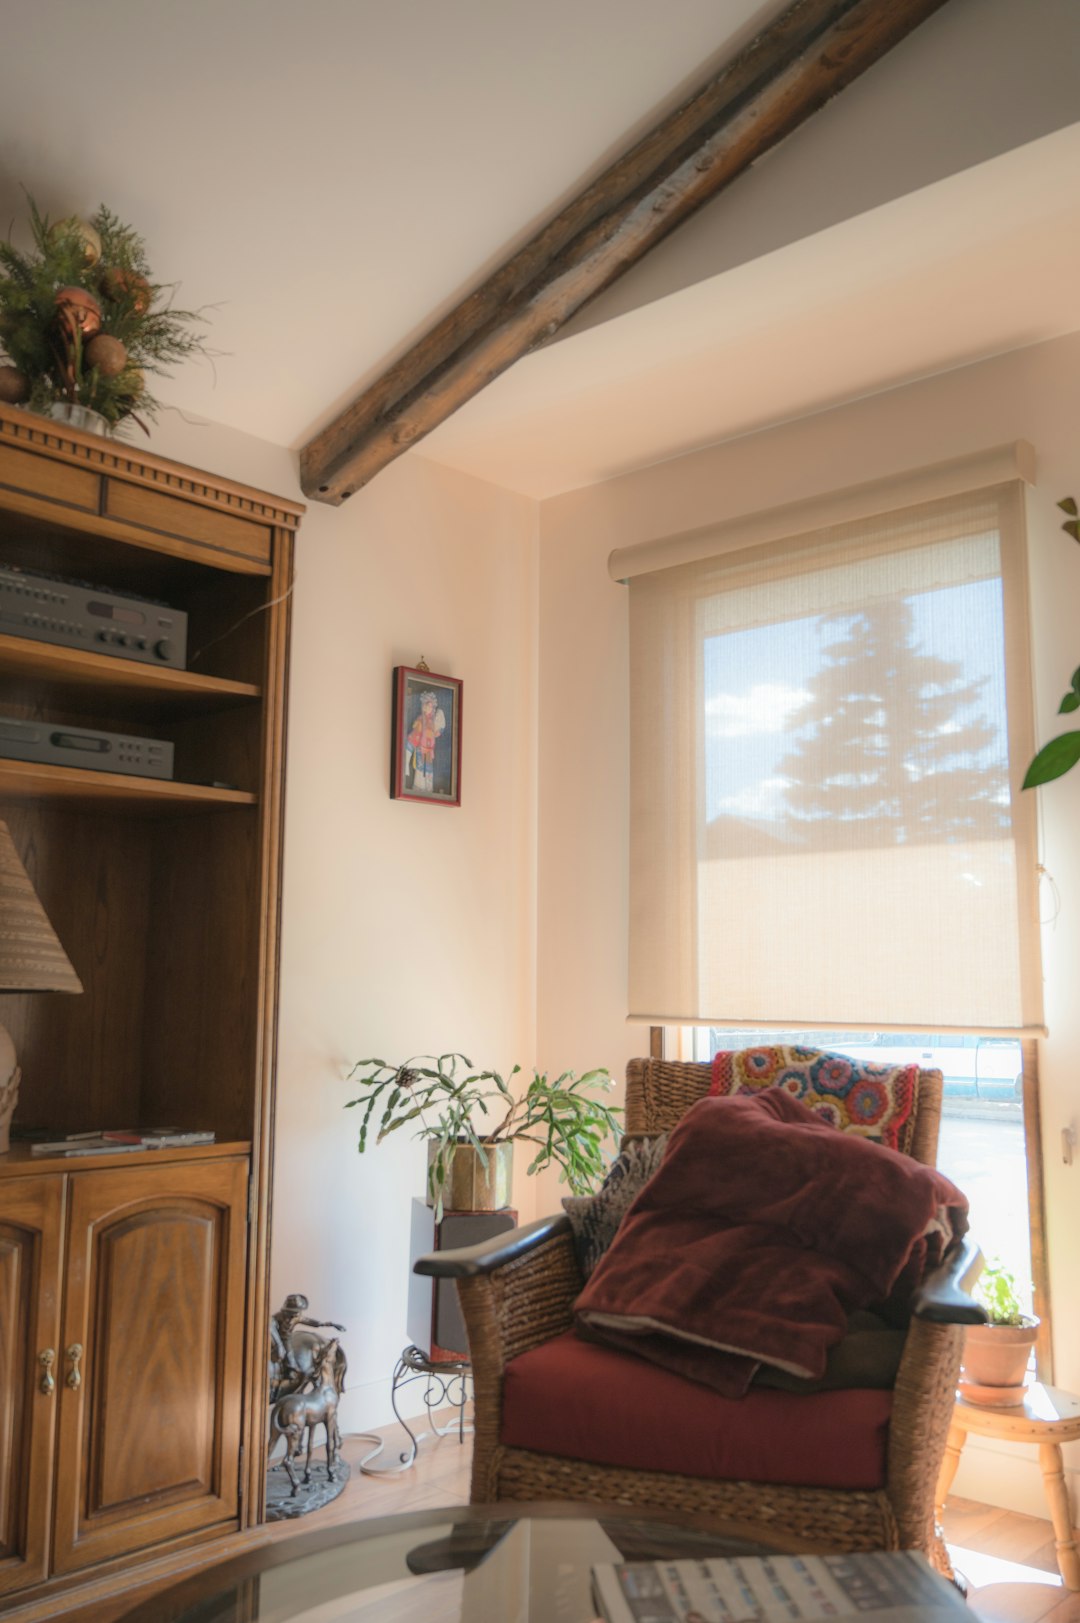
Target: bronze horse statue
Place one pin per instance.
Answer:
(294, 1349)
(305, 1410)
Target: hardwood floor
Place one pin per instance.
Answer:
(1009, 1563)
(1008, 1559)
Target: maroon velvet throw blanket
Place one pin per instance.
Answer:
(762, 1229)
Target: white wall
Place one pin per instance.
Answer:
(584, 743)
(407, 928)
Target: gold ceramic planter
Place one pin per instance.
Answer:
(474, 1187)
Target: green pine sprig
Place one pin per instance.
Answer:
(135, 309)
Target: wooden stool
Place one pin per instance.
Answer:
(1048, 1417)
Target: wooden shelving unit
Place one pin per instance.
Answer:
(73, 676)
(165, 895)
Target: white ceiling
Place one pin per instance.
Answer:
(976, 265)
(330, 175)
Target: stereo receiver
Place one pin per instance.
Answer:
(76, 615)
(53, 745)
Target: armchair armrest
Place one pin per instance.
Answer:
(470, 1260)
(943, 1297)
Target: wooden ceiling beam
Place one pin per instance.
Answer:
(812, 51)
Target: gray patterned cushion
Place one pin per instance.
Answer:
(595, 1218)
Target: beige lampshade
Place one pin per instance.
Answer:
(31, 957)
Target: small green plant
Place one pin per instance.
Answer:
(1062, 752)
(563, 1118)
(996, 1292)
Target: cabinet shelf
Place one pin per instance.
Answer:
(21, 1162)
(76, 676)
(26, 780)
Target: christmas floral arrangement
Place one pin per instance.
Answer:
(82, 321)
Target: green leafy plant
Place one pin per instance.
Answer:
(1062, 752)
(83, 321)
(996, 1291)
(564, 1118)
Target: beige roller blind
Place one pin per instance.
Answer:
(828, 735)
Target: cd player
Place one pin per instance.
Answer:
(52, 745)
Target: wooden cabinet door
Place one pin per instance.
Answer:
(31, 1222)
(150, 1409)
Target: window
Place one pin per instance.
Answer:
(827, 735)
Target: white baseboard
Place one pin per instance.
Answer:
(366, 1408)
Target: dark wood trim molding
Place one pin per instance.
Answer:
(810, 53)
(59, 443)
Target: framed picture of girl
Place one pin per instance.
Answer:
(425, 734)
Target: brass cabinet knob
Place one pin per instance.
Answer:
(47, 1386)
(74, 1376)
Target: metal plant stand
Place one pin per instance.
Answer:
(446, 1385)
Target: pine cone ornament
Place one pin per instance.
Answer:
(118, 284)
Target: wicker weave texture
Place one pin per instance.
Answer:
(530, 1300)
(659, 1092)
(922, 1410)
(523, 1304)
(819, 1516)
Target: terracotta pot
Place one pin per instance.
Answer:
(996, 1355)
(472, 1187)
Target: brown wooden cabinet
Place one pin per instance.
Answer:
(165, 894)
(31, 1232)
(122, 1305)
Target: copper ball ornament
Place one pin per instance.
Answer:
(107, 354)
(78, 310)
(118, 284)
(14, 386)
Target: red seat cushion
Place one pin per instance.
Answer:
(582, 1401)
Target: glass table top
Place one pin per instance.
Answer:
(512, 1563)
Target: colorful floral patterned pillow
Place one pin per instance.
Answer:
(855, 1095)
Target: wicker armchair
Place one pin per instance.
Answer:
(517, 1293)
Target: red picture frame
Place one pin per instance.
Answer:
(425, 737)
